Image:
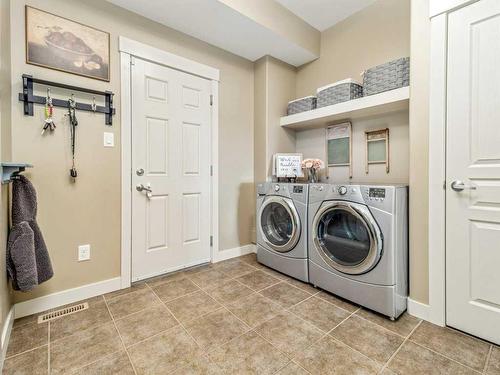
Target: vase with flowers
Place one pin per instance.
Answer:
(313, 166)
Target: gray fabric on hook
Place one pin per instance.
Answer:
(28, 260)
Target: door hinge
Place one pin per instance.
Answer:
(132, 60)
(211, 99)
(211, 241)
(211, 170)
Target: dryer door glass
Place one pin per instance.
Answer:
(278, 225)
(344, 237)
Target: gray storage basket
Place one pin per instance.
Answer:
(301, 105)
(338, 92)
(388, 76)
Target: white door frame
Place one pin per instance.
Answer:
(435, 311)
(130, 48)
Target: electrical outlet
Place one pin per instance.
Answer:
(83, 252)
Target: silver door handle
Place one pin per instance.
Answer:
(141, 187)
(460, 186)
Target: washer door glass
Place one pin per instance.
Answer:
(344, 237)
(278, 225)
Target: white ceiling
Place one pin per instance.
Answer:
(322, 14)
(219, 25)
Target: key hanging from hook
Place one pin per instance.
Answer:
(49, 113)
(73, 123)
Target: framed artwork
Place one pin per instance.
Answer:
(58, 43)
(339, 145)
(377, 148)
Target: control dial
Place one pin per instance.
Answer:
(342, 190)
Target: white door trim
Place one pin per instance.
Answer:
(129, 48)
(437, 171)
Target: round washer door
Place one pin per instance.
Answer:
(279, 223)
(347, 237)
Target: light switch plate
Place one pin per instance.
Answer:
(83, 252)
(109, 139)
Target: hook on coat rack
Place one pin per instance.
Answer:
(29, 98)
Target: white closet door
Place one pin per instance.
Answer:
(473, 166)
(171, 115)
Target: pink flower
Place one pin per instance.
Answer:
(313, 163)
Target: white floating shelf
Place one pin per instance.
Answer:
(378, 104)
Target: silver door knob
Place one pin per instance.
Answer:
(139, 171)
(458, 185)
(141, 187)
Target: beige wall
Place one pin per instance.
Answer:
(376, 34)
(5, 294)
(260, 118)
(274, 88)
(89, 210)
(419, 151)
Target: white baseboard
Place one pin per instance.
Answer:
(36, 305)
(4, 340)
(418, 309)
(234, 252)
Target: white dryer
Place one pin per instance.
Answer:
(358, 244)
(282, 228)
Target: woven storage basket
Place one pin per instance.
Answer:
(338, 92)
(301, 105)
(389, 76)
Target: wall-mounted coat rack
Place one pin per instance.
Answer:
(29, 99)
(11, 170)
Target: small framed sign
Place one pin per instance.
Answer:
(287, 165)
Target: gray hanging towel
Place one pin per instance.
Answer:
(28, 261)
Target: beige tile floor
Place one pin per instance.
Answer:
(238, 317)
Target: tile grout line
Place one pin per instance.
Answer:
(97, 360)
(328, 334)
(253, 329)
(385, 328)
(82, 329)
(488, 357)
(178, 321)
(324, 334)
(343, 343)
(399, 348)
(357, 307)
(121, 338)
(443, 355)
(25, 351)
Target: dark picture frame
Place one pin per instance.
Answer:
(58, 43)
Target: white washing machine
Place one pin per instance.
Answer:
(358, 244)
(282, 228)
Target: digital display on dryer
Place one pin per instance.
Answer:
(297, 189)
(376, 193)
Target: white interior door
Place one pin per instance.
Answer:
(171, 115)
(473, 157)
